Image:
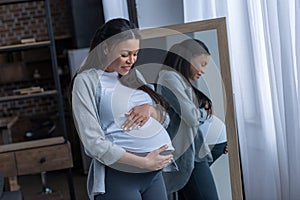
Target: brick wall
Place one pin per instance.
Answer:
(27, 20)
(27, 107)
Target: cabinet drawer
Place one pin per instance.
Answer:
(7, 164)
(44, 159)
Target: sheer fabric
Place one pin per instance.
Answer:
(265, 65)
(115, 9)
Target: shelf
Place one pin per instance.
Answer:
(7, 122)
(20, 97)
(20, 47)
(7, 2)
(51, 161)
(62, 37)
(31, 144)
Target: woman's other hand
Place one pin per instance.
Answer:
(226, 149)
(156, 161)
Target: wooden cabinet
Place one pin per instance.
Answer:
(7, 164)
(43, 159)
(30, 157)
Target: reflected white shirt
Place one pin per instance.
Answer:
(213, 130)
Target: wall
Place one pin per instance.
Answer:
(156, 13)
(27, 20)
(87, 16)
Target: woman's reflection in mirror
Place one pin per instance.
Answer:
(189, 110)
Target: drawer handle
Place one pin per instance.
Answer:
(42, 160)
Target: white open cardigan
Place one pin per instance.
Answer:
(85, 103)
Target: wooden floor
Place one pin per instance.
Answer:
(31, 186)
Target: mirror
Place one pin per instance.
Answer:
(216, 84)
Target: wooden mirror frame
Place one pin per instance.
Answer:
(219, 25)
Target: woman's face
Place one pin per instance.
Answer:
(198, 66)
(123, 56)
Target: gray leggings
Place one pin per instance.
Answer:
(133, 186)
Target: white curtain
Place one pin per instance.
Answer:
(115, 9)
(264, 42)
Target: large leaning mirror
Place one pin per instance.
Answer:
(216, 84)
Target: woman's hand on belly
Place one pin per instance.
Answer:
(138, 116)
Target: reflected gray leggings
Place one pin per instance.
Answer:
(201, 185)
(133, 186)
